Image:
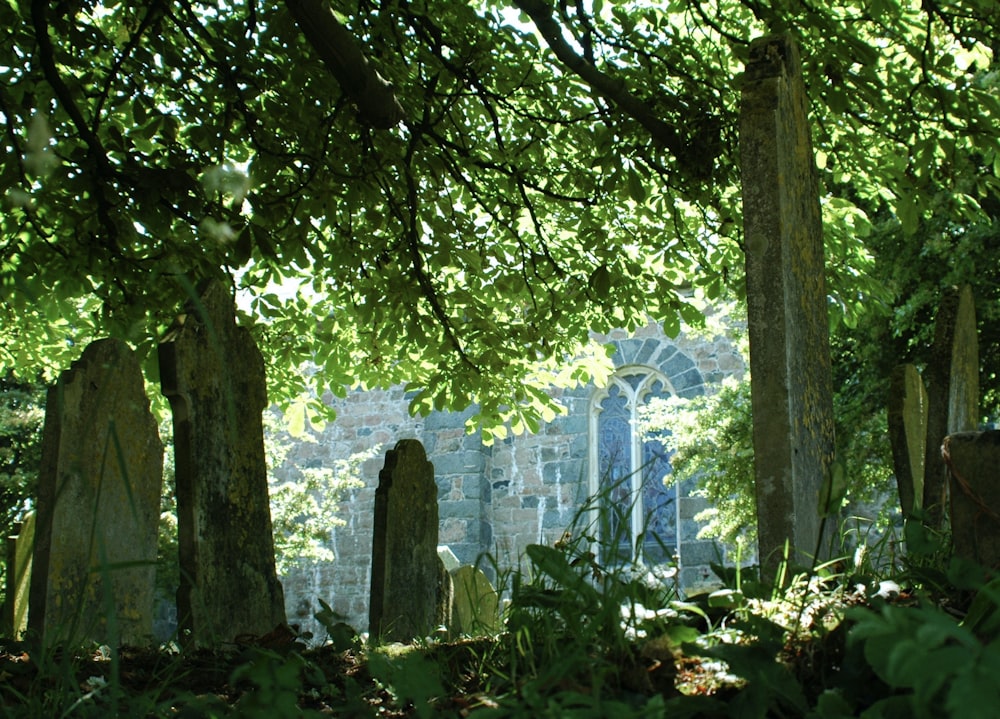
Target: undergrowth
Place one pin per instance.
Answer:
(917, 636)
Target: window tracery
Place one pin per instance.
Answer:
(638, 510)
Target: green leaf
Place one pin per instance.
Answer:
(833, 490)
(600, 282)
(342, 636)
(726, 599)
(436, 225)
(771, 688)
(636, 187)
(411, 677)
(973, 694)
(983, 617)
(295, 415)
(832, 704)
(554, 564)
(908, 213)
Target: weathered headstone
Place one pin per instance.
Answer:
(406, 584)
(444, 598)
(907, 421)
(98, 508)
(972, 459)
(19, 550)
(791, 386)
(475, 603)
(952, 377)
(448, 558)
(213, 375)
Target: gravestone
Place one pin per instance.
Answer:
(475, 603)
(448, 558)
(972, 459)
(444, 598)
(19, 550)
(791, 386)
(907, 421)
(213, 375)
(406, 585)
(98, 507)
(952, 377)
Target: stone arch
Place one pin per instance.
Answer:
(659, 353)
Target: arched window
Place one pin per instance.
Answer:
(637, 510)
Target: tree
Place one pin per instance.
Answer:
(21, 412)
(456, 193)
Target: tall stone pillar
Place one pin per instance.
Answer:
(786, 304)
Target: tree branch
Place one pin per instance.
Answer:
(606, 86)
(46, 55)
(103, 171)
(372, 95)
(152, 16)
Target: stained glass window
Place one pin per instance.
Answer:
(638, 509)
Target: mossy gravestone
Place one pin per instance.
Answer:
(213, 375)
(907, 421)
(407, 583)
(98, 506)
(972, 459)
(475, 603)
(791, 386)
(952, 377)
(19, 551)
(920, 419)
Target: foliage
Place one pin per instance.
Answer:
(771, 688)
(712, 435)
(916, 270)
(305, 499)
(21, 415)
(938, 667)
(523, 191)
(411, 678)
(582, 640)
(277, 681)
(711, 438)
(576, 624)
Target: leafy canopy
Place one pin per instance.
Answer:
(445, 194)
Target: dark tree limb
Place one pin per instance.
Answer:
(375, 98)
(606, 86)
(103, 172)
(46, 57)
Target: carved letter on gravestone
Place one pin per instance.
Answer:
(213, 375)
(908, 434)
(406, 580)
(791, 386)
(98, 507)
(952, 391)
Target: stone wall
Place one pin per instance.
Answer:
(369, 419)
(492, 499)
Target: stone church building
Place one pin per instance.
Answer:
(495, 500)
